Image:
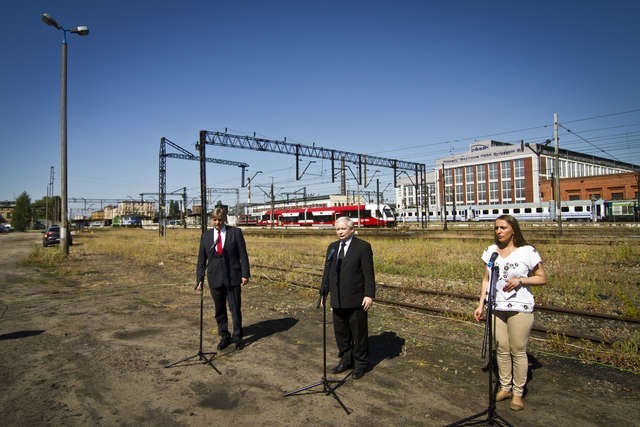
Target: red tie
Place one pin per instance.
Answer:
(219, 244)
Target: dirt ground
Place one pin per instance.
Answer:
(94, 352)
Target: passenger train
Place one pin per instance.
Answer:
(573, 210)
(364, 215)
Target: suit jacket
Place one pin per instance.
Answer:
(227, 269)
(356, 278)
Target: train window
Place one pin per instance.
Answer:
(485, 212)
(505, 211)
(516, 210)
(539, 210)
(527, 210)
(578, 208)
(495, 211)
(565, 209)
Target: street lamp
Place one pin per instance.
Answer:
(81, 30)
(249, 189)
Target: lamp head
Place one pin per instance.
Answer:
(47, 19)
(81, 30)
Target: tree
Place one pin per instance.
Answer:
(22, 213)
(47, 208)
(174, 209)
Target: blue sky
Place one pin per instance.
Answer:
(411, 80)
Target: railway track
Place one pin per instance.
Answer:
(599, 328)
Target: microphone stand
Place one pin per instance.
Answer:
(492, 417)
(328, 386)
(200, 355)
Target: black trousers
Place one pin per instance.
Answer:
(222, 296)
(351, 329)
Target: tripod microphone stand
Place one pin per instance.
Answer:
(328, 386)
(200, 356)
(492, 417)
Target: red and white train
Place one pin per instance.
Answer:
(365, 215)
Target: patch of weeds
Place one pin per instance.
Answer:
(48, 258)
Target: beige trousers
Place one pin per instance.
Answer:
(512, 329)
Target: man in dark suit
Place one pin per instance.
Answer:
(223, 255)
(349, 277)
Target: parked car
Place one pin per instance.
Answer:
(51, 236)
(5, 227)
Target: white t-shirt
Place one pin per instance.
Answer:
(518, 264)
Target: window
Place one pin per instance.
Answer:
(459, 186)
(493, 192)
(507, 187)
(469, 179)
(494, 196)
(482, 192)
(481, 173)
(493, 171)
(518, 173)
(617, 196)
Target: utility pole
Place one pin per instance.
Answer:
(557, 174)
(272, 203)
(49, 199)
(444, 199)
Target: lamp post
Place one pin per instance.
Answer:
(249, 190)
(81, 30)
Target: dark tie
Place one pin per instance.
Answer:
(340, 256)
(219, 245)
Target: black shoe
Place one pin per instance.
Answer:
(357, 374)
(341, 367)
(224, 343)
(239, 344)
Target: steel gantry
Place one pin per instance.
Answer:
(184, 155)
(299, 150)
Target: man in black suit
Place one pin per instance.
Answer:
(349, 276)
(223, 254)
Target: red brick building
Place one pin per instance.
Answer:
(622, 186)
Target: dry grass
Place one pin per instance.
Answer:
(583, 275)
(586, 276)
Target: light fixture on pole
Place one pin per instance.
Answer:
(249, 190)
(81, 30)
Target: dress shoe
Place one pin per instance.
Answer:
(503, 395)
(517, 403)
(224, 343)
(341, 367)
(357, 374)
(239, 344)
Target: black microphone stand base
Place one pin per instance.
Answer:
(491, 419)
(328, 388)
(199, 357)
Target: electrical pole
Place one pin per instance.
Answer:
(272, 203)
(557, 173)
(49, 197)
(444, 199)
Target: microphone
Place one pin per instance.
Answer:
(492, 259)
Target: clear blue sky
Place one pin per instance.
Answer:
(411, 80)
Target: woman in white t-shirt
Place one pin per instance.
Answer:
(519, 267)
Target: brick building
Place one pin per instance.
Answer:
(494, 172)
